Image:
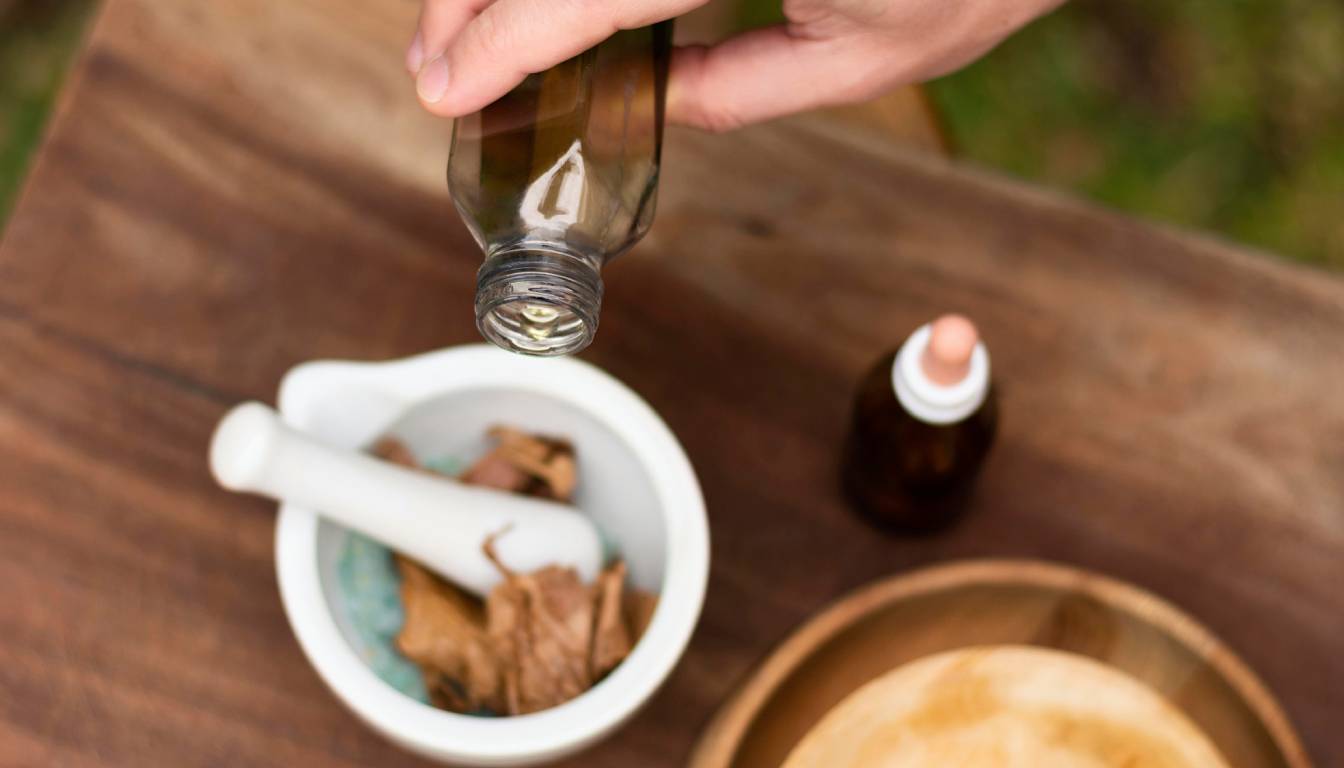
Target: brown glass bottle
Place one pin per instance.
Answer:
(915, 447)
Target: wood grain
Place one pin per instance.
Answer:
(996, 603)
(232, 187)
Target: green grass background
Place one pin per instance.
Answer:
(1223, 115)
(38, 39)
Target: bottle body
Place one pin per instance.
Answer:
(914, 449)
(556, 178)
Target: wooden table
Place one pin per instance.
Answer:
(231, 187)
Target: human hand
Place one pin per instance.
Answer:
(467, 53)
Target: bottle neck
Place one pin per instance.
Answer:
(538, 298)
(929, 401)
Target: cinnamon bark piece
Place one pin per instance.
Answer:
(611, 635)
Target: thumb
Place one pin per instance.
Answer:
(509, 39)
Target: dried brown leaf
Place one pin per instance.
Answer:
(548, 462)
(391, 449)
(445, 633)
(541, 624)
(495, 471)
(639, 608)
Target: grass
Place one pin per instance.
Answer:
(38, 39)
(1224, 115)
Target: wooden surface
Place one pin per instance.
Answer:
(1003, 603)
(235, 186)
(905, 118)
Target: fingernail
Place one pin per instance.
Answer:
(415, 55)
(432, 80)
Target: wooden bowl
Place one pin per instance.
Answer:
(991, 602)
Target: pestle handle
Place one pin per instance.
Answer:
(439, 522)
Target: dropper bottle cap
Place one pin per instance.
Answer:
(941, 374)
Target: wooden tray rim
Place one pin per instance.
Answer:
(719, 742)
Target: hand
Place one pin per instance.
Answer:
(467, 53)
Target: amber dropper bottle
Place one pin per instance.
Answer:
(924, 419)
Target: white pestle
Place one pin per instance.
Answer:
(439, 522)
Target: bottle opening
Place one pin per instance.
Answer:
(538, 301)
(535, 329)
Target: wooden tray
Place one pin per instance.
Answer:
(991, 602)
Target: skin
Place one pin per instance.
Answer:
(467, 53)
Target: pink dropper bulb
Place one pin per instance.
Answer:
(947, 358)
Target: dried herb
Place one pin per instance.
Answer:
(526, 464)
(445, 633)
(541, 638)
(391, 449)
(638, 609)
(611, 636)
(542, 625)
(495, 471)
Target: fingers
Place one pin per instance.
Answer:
(440, 22)
(768, 73)
(509, 39)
